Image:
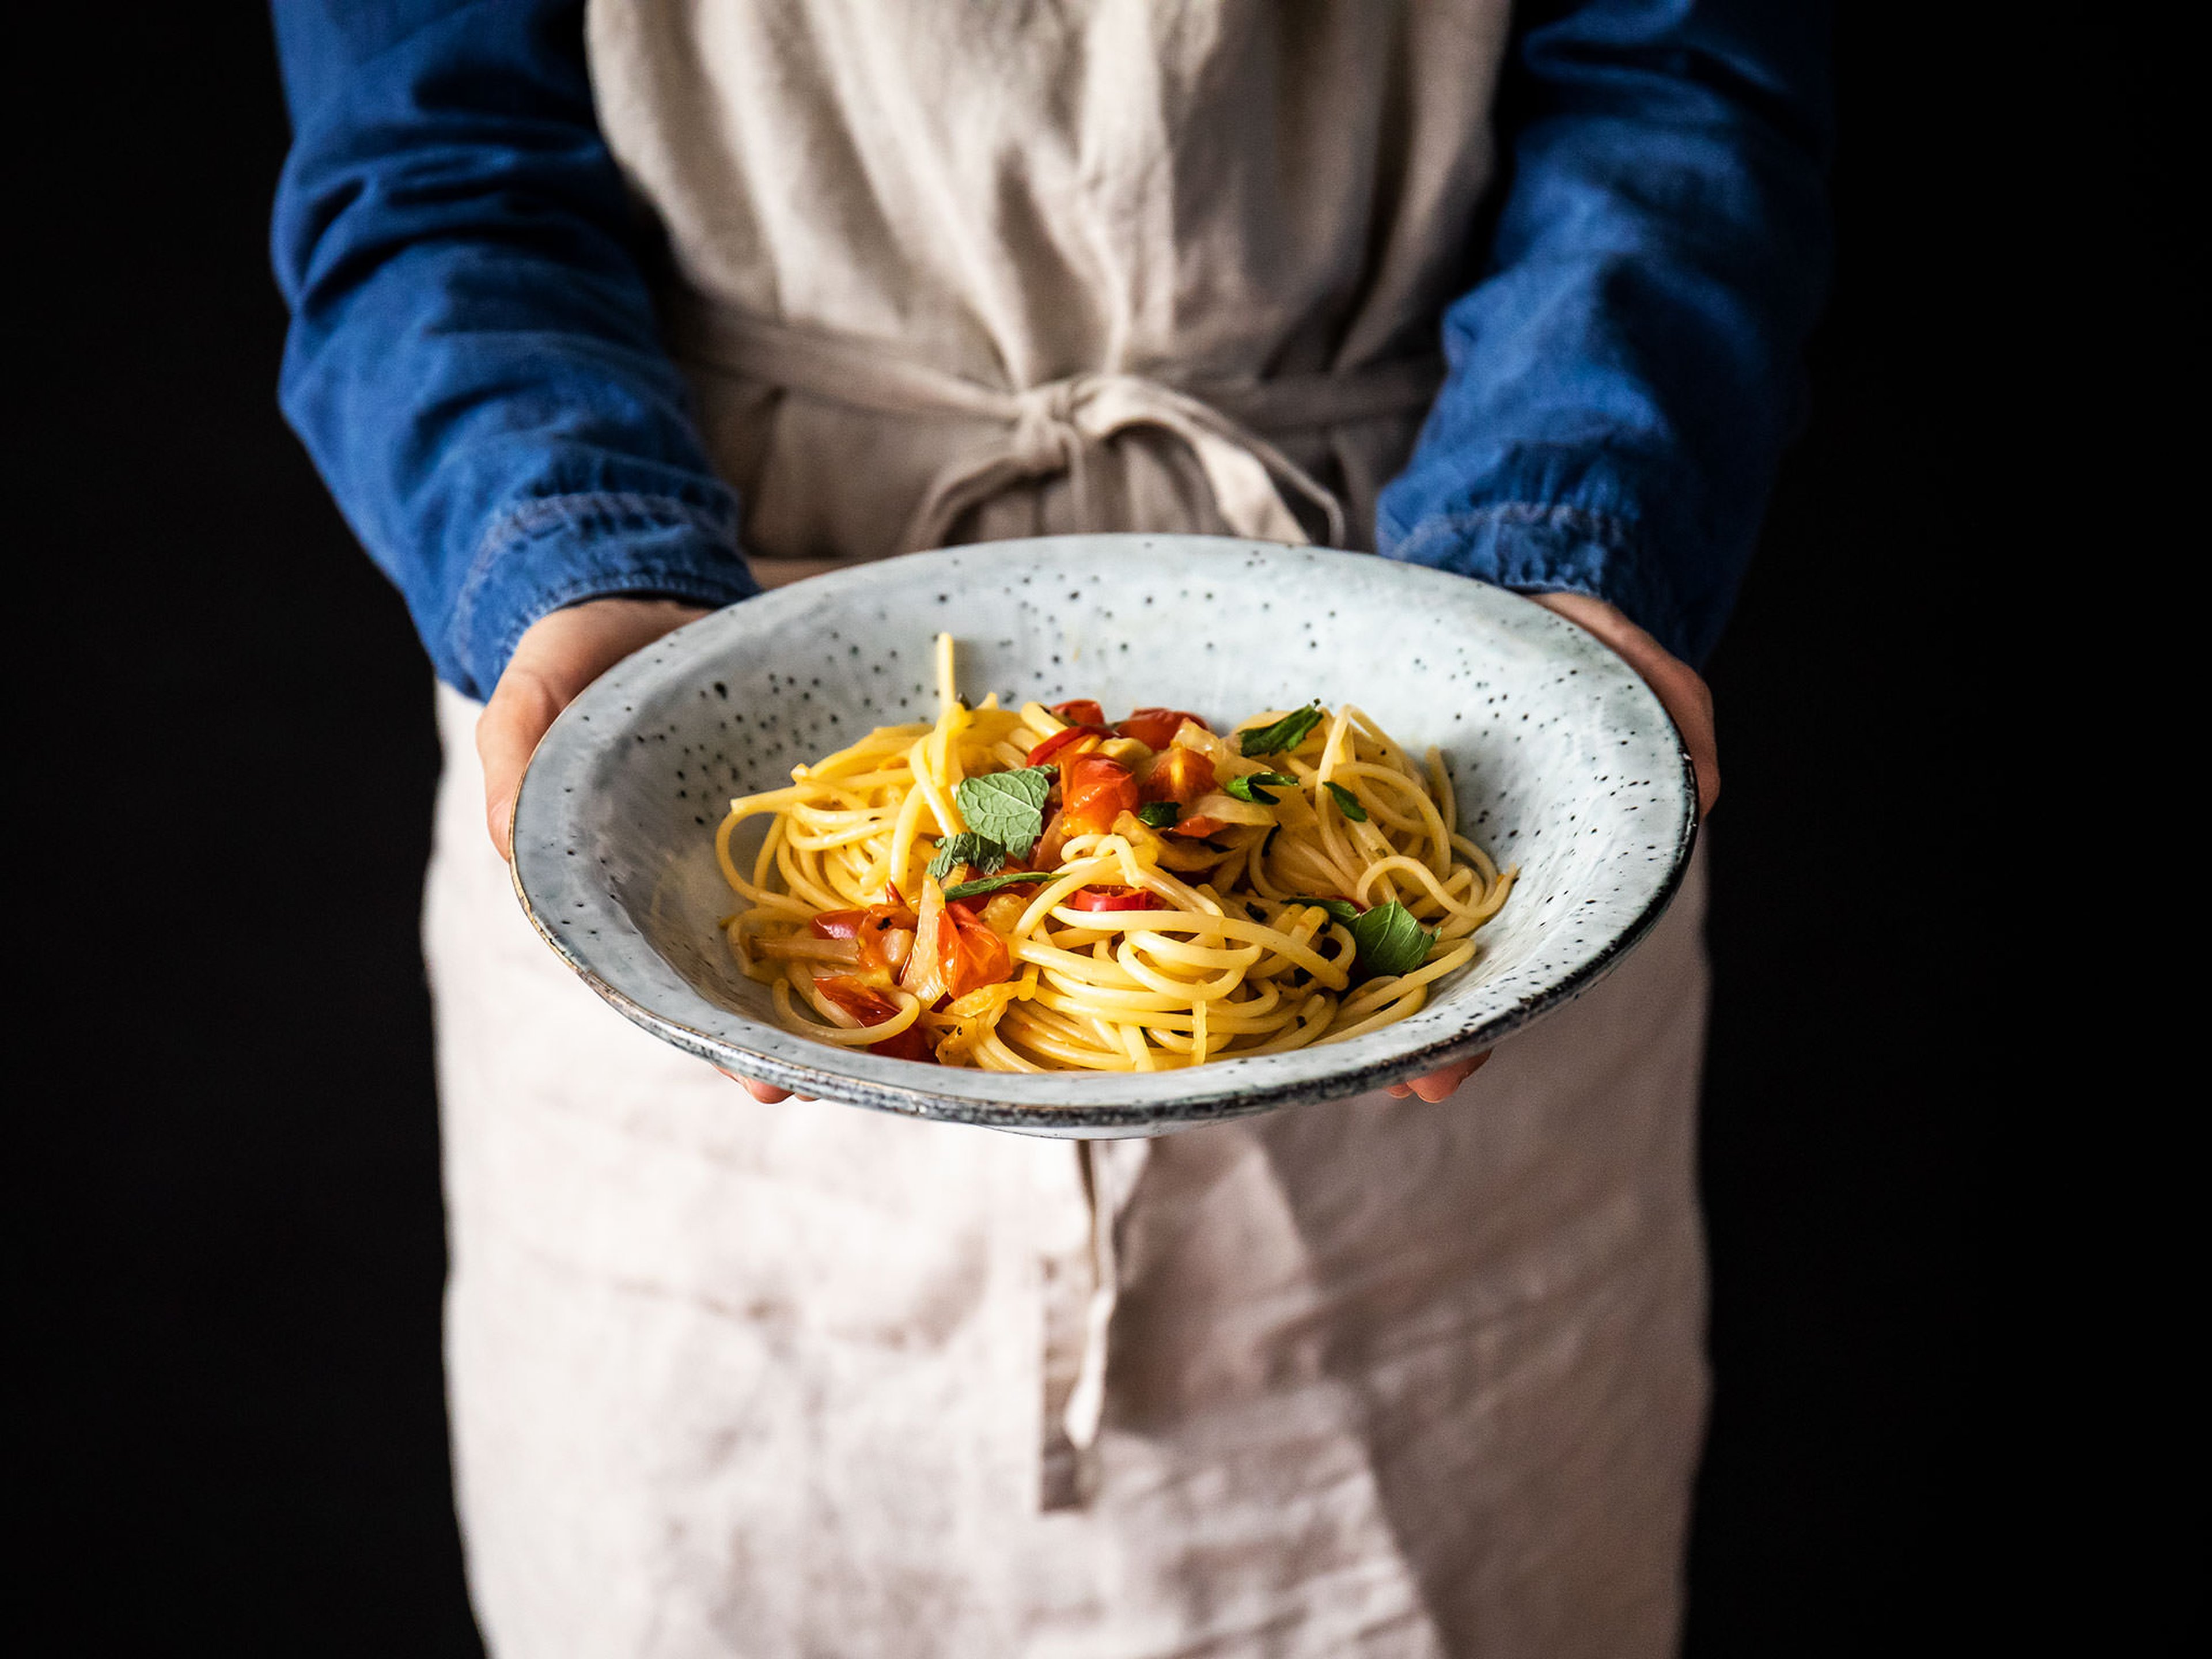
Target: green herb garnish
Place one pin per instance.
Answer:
(1286, 734)
(1390, 941)
(1343, 910)
(1159, 814)
(978, 852)
(1348, 803)
(993, 884)
(1008, 807)
(1248, 787)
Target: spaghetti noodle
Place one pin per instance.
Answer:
(1035, 889)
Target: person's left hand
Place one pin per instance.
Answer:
(1681, 691)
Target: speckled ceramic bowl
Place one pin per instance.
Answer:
(1564, 762)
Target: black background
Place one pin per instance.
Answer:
(230, 1240)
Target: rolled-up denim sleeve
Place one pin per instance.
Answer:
(473, 361)
(1626, 372)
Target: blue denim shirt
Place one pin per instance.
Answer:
(473, 363)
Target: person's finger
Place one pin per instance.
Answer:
(1400, 1092)
(1681, 691)
(767, 1093)
(1436, 1086)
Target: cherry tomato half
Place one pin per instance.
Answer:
(1093, 791)
(1155, 728)
(1080, 711)
(1180, 775)
(973, 956)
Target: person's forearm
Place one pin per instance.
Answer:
(473, 361)
(1625, 375)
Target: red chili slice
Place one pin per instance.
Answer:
(1114, 898)
(1080, 711)
(1061, 738)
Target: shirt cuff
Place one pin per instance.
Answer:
(557, 551)
(1531, 548)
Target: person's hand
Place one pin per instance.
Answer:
(562, 654)
(1684, 695)
(557, 658)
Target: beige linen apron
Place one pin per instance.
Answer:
(1372, 1379)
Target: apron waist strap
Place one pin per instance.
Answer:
(1049, 428)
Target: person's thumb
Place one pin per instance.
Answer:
(521, 708)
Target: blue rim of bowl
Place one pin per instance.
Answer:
(1238, 1097)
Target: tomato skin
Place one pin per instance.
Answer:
(837, 924)
(1155, 728)
(1113, 898)
(912, 1044)
(1065, 738)
(1080, 711)
(1180, 775)
(1093, 791)
(1199, 826)
(855, 999)
(973, 956)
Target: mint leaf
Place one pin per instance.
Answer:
(993, 884)
(1343, 910)
(1159, 814)
(1287, 734)
(1390, 941)
(1348, 803)
(980, 853)
(1008, 807)
(1248, 788)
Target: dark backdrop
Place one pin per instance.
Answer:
(231, 1243)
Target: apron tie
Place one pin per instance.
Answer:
(1051, 428)
(1082, 1290)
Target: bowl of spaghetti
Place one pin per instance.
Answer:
(1100, 835)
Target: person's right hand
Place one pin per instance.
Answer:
(559, 656)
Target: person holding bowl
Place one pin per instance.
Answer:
(605, 315)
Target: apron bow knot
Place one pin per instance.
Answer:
(1052, 427)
